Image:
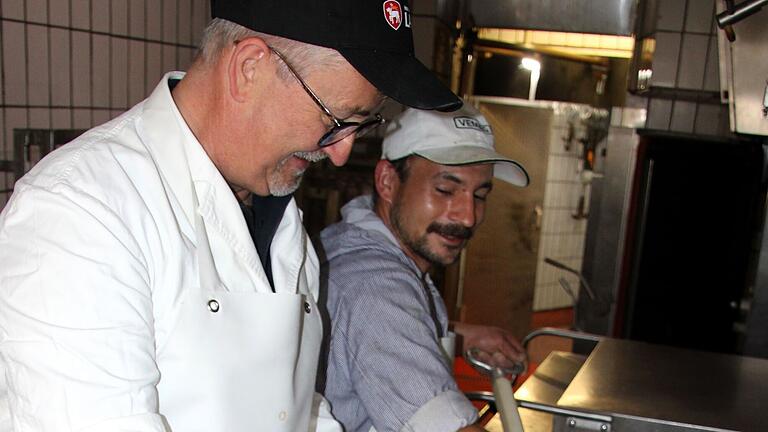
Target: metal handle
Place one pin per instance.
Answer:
(471, 356)
(553, 331)
(507, 405)
(504, 398)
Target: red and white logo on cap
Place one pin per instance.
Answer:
(393, 13)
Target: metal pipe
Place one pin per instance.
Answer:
(740, 11)
(484, 396)
(506, 403)
(582, 279)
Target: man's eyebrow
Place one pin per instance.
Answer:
(345, 112)
(453, 178)
(449, 176)
(360, 111)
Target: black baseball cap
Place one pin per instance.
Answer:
(374, 36)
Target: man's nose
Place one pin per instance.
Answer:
(338, 152)
(465, 211)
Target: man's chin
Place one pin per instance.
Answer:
(283, 187)
(443, 259)
(450, 260)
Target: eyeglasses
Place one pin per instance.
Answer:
(340, 129)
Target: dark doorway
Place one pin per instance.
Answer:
(697, 215)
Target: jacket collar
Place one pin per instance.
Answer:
(187, 170)
(359, 212)
(163, 130)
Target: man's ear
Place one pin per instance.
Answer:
(246, 64)
(386, 180)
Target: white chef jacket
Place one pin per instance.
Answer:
(98, 250)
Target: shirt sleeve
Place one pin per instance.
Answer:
(390, 343)
(76, 323)
(5, 414)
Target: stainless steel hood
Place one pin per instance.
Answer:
(614, 17)
(744, 74)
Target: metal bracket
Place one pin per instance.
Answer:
(579, 424)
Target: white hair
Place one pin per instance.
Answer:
(221, 33)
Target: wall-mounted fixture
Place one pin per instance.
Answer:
(534, 67)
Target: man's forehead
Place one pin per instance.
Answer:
(479, 172)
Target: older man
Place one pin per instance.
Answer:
(389, 365)
(155, 273)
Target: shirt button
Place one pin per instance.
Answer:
(213, 306)
(307, 307)
(282, 416)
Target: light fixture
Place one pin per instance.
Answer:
(531, 64)
(534, 66)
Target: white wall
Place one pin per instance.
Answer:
(685, 64)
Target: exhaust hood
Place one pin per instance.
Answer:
(614, 17)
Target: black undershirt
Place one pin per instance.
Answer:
(262, 217)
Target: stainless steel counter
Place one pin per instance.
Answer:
(633, 386)
(635, 382)
(543, 389)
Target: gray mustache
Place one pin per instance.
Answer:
(314, 156)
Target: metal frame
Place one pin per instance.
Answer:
(554, 331)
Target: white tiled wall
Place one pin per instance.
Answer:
(73, 64)
(431, 24)
(685, 67)
(562, 235)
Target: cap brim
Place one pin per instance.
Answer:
(403, 78)
(504, 168)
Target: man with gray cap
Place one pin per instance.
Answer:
(390, 348)
(156, 275)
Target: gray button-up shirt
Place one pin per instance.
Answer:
(385, 366)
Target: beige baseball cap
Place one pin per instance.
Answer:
(462, 137)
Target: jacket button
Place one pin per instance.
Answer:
(213, 306)
(307, 307)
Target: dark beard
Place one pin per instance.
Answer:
(420, 245)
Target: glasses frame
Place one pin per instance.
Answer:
(341, 129)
